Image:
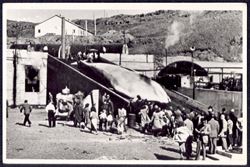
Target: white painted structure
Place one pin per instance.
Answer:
(142, 63)
(53, 25)
(26, 58)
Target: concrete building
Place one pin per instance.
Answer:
(53, 25)
(31, 77)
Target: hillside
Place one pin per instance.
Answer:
(217, 35)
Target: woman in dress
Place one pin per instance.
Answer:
(156, 120)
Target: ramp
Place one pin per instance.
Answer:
(61, 74)
(179, 99)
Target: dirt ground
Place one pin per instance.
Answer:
(67, 142)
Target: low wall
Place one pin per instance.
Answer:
(217, 98)
(141, 62)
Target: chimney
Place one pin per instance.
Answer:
(63, 39)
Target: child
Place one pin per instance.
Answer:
(103, 119)
(109, 120)
(93, 118)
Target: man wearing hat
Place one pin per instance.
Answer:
(215, 128)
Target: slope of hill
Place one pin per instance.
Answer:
(217, 35)
(23, 29)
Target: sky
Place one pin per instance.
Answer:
(36, 15)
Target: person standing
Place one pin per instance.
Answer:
(94, 119)
(235, 133)
(122, 113)
(50, 109)
(181, 136)
(188, 145)
(239, 126)
(230, 132)
(86, 112)
(144, 118)
(215, 128)
(203, 131)
(223, 132)
(103, 119)
(79, 113)
(26, 108)
(110, 109)
(157, 122)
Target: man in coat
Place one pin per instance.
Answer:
(26, 108)
(215, 128)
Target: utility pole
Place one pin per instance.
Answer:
(63, 38)
(15, 68)
(192, 71)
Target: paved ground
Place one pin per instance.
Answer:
(68, 142)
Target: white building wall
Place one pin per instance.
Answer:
(140, 62)
(37, 59)
(54, 26)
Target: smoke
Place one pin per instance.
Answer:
(175, 32)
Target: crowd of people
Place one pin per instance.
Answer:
(206, 129)
(231, 84)
(87, 116)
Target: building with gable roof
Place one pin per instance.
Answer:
(53, 25)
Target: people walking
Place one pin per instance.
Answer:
(50, 109)
(26, 108)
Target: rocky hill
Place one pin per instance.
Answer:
(217, 35)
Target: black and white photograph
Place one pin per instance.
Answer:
(124, 83)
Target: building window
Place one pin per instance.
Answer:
(31, 79)
(74, 31)
(39, 31)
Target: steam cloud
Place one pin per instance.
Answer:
(175, 31)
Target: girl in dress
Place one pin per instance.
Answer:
(94, 119)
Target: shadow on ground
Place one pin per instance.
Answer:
(21, 124)
(47, 126)
(170, 149)
(164, 157)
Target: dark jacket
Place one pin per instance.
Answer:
(26, 108)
